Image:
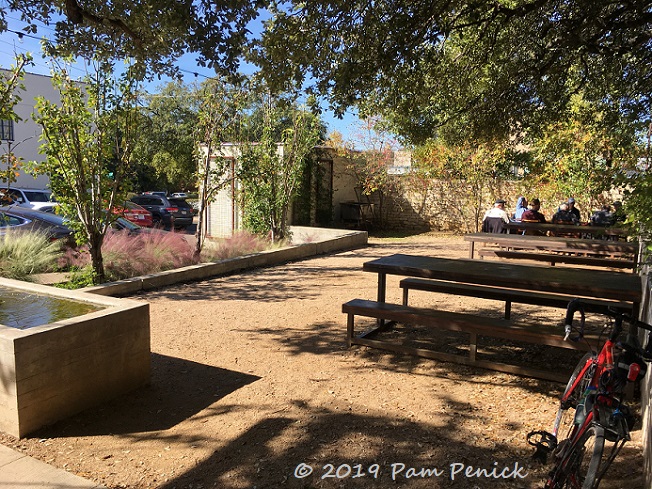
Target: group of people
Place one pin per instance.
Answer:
(566, 213)
(525, 212)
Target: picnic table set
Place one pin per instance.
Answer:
(598, 270)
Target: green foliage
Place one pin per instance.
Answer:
(270, 171)
(153, 33)
(218, 122)
(10, 84)
(87, 142)
(581, 156)
(473, 175)
(79, 277)
(165, 142)
(465, 69)
(23, 254)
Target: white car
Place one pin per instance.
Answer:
(39, 199)
(179, 195)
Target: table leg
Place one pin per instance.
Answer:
(471, 249)
(382, 288)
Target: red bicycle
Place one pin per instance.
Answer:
(593, 422)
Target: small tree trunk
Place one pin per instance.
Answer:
(95, 249)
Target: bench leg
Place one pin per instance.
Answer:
(405, 296)
(508, 309)
(473, 346)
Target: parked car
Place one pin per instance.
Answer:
(134, 213)
(39, 199)
(159, 193)
(179, 195)
(24, 219)
(168, 213)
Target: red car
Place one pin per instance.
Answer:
(135, 213)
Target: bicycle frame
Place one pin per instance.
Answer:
(599, 395)
(603, 361)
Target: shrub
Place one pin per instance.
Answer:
(240, 244)
(23, 254)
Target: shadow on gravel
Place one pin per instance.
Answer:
(179, 389)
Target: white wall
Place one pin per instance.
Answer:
(26, 132)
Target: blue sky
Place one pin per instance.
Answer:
(11, 43)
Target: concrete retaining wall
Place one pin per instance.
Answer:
(310, 242)
(53, 371)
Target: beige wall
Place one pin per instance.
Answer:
(26, 132)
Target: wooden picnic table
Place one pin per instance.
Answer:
(600, 284)
(547, 229)
(554, 243)
(490, 278)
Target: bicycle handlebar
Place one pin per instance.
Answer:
(576, 305)
(573, 306)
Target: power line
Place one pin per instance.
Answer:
(21, 35)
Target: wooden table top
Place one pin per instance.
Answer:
(555, 243)
(571, 281)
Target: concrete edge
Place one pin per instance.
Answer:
(333, 241)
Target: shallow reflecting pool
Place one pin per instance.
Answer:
(22, 310)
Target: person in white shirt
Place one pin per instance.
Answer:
(494, 219)
(498, 210)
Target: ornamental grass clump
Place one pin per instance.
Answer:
(24, 254)
(130, 255)
(240, 244)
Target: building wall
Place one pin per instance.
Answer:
(26, 132)
(225, 215)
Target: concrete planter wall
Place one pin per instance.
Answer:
(52, 371)
(309, 242)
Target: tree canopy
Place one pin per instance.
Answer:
(457, 68)
(155, 33)
(471, 66)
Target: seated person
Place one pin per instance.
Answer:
(532, 213)
(603, 217)
(618, 213)
(521, 207)
(572, 209)
(494, 219)
(564, 215)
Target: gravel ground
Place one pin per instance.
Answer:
(253, 386)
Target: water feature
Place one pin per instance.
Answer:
(56, 359)
(20, 309)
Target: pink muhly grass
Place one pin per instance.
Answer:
(239, 244)
(148, 252)
(127, 255)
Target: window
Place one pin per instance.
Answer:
(6, 130)
(35, 196)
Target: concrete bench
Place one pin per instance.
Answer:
(453, 321)
(624, 262)
(507, 295)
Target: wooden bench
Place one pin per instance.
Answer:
(507, 295)
(453, 321)
(553, 259)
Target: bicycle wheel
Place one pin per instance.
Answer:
(580, 468)
(589, 464)
(571, 397)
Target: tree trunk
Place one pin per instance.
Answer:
(95, 249)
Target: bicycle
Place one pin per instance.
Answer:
(584, 442)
